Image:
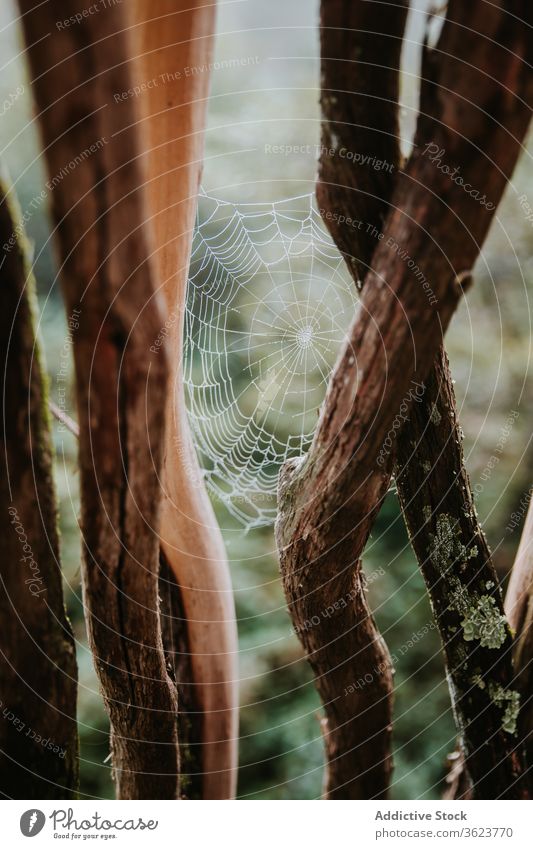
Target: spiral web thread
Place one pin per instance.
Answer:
(268, 304)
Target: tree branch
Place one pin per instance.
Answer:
(438, 506)
(519, 611)
(329, 499)
(180, 659)
(455, 560)
(360, 48)
(38, 672)
(347, 645)
(92, 152)
(168, 37)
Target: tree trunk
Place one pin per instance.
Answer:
(344, 645)
(38, 672)
(518, 607)
(360, 50)
(168, 38)
(81, 80)
(454, 557)
(328, 499)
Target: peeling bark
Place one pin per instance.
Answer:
(166, 38)
(178, 650)
(38, 672)
(96, 181)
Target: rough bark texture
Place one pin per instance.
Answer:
(38, 673)
(518, 608)
(166, 38)
(455, 560)
(431, 473)
(96, 184)
(346, 645)
(329, 498)
(360, 47)
(176, 641)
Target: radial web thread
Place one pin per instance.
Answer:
(269, 302)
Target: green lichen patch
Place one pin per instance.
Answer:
(484, 622)
(481, 617)
(446, 547)
(459, 597)
(509, 700)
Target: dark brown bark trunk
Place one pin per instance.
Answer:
(38, 672)
(329, 609)
(179, 655)
(431, 473)
(360, 50)
(518, 607)
(96, 185)
(454, 557)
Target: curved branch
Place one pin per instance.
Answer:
(323, 573)
(168, 38)
(329, 499)
(438, 506)
(518, 608)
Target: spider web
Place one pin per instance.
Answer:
(269, 302)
